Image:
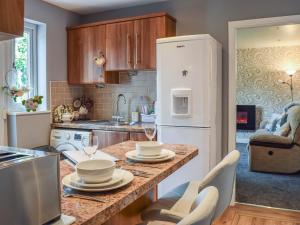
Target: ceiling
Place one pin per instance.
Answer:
(272, 36)
(93, 6)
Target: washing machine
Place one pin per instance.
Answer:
(69, 140)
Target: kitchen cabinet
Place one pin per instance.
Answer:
(11, 19)
(127, 44)
(83, 46)
(131, 45)
(119, 48)
(139, 136)
(107, 138)
(146, 31)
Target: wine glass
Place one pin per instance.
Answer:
(150, 130)
(90, 148)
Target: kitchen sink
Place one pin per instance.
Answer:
(103, 122)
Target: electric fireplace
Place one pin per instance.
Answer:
(245, 117)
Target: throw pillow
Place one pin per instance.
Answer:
(284, 130)
(283, 119)
(273, 122)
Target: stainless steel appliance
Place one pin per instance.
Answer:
(29, 187)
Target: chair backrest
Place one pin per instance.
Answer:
(204, 208)
(222, 177)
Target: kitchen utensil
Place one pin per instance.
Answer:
(133, 155)
(77, 181)
(150, 130)
(95, 170)
(148, 148)
(67, 117)
(90, 148)
(127, 178)
(66, 195)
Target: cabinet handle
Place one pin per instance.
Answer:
(137, 49)
(128, 48)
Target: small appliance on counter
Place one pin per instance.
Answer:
(28, 129)
(30, 187)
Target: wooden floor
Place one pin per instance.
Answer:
(251, 215)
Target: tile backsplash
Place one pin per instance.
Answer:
(138, 90)
(61, 93)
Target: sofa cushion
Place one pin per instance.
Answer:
(271, 140)
(275, 118)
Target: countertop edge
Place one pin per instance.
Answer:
(146, 188)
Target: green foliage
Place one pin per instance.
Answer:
(21, 57)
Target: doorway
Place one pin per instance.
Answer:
(251, 54)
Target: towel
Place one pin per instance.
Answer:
(183, 206)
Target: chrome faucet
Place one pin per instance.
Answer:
(117, 116)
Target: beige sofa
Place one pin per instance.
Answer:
(277, 153)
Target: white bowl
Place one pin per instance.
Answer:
(95, 170)
(148, 148)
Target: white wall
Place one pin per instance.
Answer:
(56, 21)
(5, 63)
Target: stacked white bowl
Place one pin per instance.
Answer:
(148, 148)
(95, 170)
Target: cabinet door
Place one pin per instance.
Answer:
(139, 136)
(11, 19)
(107, 138)
(119, 46)
(146, 32)
(83, 45)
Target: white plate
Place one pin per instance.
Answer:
(116, 178)
(132, 155)
(164, 153)
(127, 178)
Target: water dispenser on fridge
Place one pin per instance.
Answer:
(181, 102)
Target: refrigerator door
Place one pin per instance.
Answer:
(198, 167)
(184, 82)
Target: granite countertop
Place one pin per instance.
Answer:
(89, 212)
(94, 125)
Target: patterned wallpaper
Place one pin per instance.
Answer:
(259, 70)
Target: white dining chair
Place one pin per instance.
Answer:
(175, 205)
(202, 211)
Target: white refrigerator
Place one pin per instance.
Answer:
(189, 105)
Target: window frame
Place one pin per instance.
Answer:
(32, 30)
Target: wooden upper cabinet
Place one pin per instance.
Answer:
(119, 46)
(11, 19)
(146, 32)
(127, 44)
(83, 46)
(131, 45)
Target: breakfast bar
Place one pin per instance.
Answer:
(123, 205)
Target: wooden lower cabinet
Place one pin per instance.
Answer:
(107, 138)
(138, 136)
